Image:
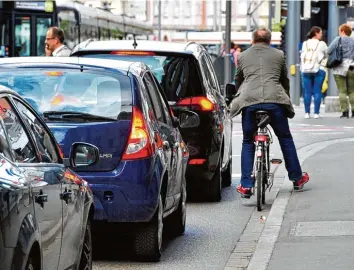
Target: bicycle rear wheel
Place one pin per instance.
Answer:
(259, 180)
(266, 170)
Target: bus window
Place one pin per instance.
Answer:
(42, 25)
(22, 36)
(68, 23)
(4, 36)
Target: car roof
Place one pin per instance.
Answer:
(121, 66)
(141, 45)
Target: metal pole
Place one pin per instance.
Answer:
(291, 45)
(333, 24)
(227, 56)
(297, 90)
(249, 2)
(159, 20)
(271, 13)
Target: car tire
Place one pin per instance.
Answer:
(148, 240)
(177, 220)
(30, 265)
(214, 187)
(227, 174)
(86, 252)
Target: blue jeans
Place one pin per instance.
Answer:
(312, 85)
(279, 123)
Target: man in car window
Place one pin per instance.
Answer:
(262, 84)
(55, 43)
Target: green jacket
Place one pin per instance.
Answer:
(261, 77)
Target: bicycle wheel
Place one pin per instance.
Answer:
(266, 169)
(260, 184)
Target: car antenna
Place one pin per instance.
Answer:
(134, 42)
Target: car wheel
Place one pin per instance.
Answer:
(227, 174)
(148, 240)
(86, 253)
(31, 263)
(177, 220)
(214, 187)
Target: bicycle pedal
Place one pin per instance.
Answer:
(276, 161)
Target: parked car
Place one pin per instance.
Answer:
(46, 209)
(140, 178)
(186, 75)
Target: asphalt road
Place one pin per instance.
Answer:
(214, 228)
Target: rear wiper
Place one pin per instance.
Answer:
(57, 115)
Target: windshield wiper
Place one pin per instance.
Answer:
(57, 115)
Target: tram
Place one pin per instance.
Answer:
(23, 25)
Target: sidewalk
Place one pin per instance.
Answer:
(317, 230)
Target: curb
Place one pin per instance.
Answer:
(254, 248)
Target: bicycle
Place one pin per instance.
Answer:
(263, 140)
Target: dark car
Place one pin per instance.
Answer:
(187, 77)
(117, 106)
(46, 209)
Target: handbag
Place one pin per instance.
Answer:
(335, 58)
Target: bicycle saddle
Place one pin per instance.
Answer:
(263, 118)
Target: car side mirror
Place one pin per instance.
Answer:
(188, 119)
(231, 91)
(83, 154)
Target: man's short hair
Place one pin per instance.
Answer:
(262, 35)
(57, 33)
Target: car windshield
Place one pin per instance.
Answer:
(65, 90)
(178, 75)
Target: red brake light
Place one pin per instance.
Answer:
(203, 103)
(260, 138)
(197, 161)
(58, 99)
(60, 151)
(133, 53)
(139, 144)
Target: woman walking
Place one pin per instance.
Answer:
(313, 62)
(344, 73)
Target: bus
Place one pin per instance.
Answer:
(24, 24)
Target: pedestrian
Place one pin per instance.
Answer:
(344, 73)
(262, 84)
(54, 43)
(313, 69)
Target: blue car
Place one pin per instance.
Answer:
(120, 108)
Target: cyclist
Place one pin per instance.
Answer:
(262, 84)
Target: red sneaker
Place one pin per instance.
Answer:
(298, 185)
(244, 192)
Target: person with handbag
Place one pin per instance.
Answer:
(313, 62)
(341, 60)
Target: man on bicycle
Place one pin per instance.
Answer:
(262, 84)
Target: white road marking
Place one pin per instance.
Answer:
(349, 127)
(235, 175)
(326, 133)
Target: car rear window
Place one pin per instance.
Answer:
(178, 75)
(90, 92)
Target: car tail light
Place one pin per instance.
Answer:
(139, 144)
(260, 138)
(58, 99)
(60, 151)
(203, 103)
(133, 53)
(197, 161)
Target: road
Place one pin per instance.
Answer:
(213, 229)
